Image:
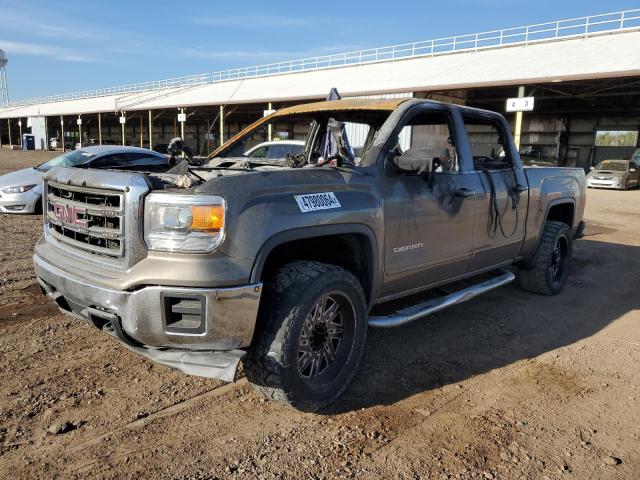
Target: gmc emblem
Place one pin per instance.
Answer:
(69, 214)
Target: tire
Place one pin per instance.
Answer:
(37, 208)
(548, 269)
(291, 358)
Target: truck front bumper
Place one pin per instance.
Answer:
(198, 331)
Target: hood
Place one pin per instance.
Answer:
(607, 173)
(273, 180)
(26, 176)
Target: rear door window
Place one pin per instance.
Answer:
(487, 140)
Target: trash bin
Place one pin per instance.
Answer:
(28, 141)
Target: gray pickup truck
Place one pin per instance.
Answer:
(282, 262)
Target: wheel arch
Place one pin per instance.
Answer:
(559, 210)
(351, 246)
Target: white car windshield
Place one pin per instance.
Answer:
(68, 159)
(613, 165)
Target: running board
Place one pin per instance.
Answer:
(433, 305)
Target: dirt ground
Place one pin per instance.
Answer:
(507, 386)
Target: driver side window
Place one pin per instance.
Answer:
(428, 137)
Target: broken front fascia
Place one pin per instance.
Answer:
(135, 318)
(222, 365)
(190, 359)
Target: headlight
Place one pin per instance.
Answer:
(19, 189)
(183, 223)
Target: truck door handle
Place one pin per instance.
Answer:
(464, 193)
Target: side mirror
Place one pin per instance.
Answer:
(592, 168)
(632, 170)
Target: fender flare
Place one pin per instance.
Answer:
(373, 263)
(553, 203)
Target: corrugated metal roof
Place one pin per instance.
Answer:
(605, 56)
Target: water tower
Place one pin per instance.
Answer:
(4, 93)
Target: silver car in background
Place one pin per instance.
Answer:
(21, 191)
(276, 149)
(617, 174)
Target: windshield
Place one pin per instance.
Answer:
(613, 165)
(68, 159)
(333, 137)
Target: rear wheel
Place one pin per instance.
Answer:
(313, 335)
(547, 272)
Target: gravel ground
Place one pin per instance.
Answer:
(508, 386)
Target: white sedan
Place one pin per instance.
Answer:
(276, 150)
(21, 191)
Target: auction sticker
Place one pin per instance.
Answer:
(317, 201)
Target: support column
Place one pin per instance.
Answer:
(122, 124)
(150, 131)
(270, 126)
(518, 128)
(141, 132)
(62, 131)
(182, 120)
(46, 134)
(20, 127)
(99, 128)
(80, 130)
(221, 124)
(182, 125)
(9, 125)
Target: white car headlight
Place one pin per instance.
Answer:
(18, 189)
(184, 223)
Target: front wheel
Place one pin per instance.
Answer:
(547, 272)
(312, 336)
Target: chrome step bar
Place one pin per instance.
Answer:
(433, 305)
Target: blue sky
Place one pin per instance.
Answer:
(57, 47)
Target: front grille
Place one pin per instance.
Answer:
(88, 219)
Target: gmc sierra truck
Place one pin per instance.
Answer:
(282, 262)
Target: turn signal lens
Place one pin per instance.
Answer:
(207, 217)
